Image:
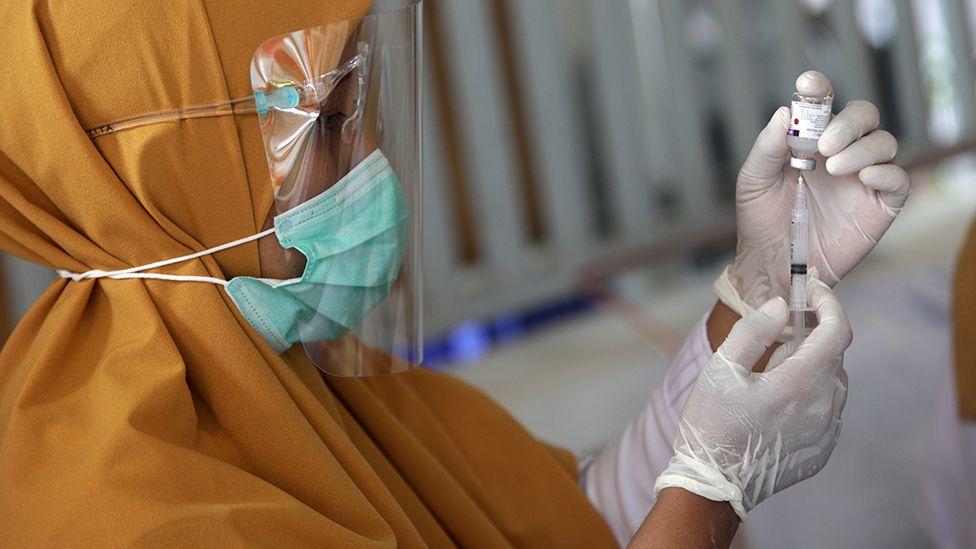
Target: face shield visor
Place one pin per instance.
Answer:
(339, 112)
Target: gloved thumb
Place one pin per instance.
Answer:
(764, 165)
(751, 335)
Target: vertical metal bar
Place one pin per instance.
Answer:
(513, 86)
(555, 131)
(655, 78)
(441, 262)
(621, 141)
(789, 43)
(445, 111)
(741, 108)
(909, 92)
(858, 81)
(957, 23)
(483, 123)
(698, 197)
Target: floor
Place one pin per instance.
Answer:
(579, 383)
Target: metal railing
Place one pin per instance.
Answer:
(572, 139)
(638, 114)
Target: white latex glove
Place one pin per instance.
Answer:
(744, 436)
(854, 195)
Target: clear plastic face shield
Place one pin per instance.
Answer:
(339, 111)
(348, 96)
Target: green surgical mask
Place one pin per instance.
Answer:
(353, 237)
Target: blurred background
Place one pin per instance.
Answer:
(580, 163)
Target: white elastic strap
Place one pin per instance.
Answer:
(134, 272)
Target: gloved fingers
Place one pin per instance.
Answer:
(822, 351)
(814, 83)
(751, 335)
(764, 165)
(833, 332)
(827, 307)
(876, 147)
(892, 183)
(858, 118)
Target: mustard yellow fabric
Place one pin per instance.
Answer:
(964, 327)
(148, 412)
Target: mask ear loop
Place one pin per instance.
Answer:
(136, 272)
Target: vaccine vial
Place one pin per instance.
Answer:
(809, 116)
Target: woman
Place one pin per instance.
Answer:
(141, 411)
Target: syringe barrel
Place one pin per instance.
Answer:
(799, 247)
(798, 291)
(799, 232)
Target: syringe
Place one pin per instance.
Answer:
(799, 237)
(809, 116)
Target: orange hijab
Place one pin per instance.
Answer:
(964, 327)
(148, 412)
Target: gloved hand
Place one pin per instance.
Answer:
(854, 195)
(744, 436)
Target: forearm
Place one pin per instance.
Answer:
(620, 481)
(683, 520)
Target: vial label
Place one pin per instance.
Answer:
(808, 120)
